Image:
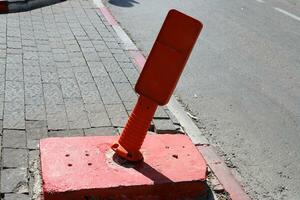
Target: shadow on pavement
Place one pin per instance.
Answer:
(123, 3)
(27, 5)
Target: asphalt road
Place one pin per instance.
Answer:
(242, 82)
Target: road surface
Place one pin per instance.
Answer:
(242, 82)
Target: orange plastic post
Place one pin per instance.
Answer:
(158, 79)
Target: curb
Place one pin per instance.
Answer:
(215, 162)
(25, 5)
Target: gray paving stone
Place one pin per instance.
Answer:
(84, 77)
(110, 64)
(89, 93)
(126, 92)
(32, 70)
(57, 121)
(76, 114)
(36, 124)
(14, 117)
(28, 42)
(14, 180)
(13, 158)
(117, 114)
(118, 77)
(102, 131)
(14, 139)
(14, 91)
(129, 105)
(131, 74)
(34, 93)
(65, 72)
(2, 84)
(121, 57)
(77, 60)
(13, 51)
(1, 106)
(33, 144)
(70, 88)
(161, 114)
(97, 115)
(172, 117)
(53, 95)
(92, 56)
(30, 55)
(16, 197)
(100, 46)
(107, 90)
(49, 76)
(15, 74)
(164, 126)
(97, 69)
(36, 133)
(14, 44)
(105, 54)
(35, 112)
(14, 59)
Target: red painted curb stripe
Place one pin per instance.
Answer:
(223, 173)
(138, 59)
(109, 17)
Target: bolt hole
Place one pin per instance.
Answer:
(89, 164)
(70, 165)
(87, 154)
(115, 146)
(167, 147)
(67, 155)
(183, 146)
(147, 107)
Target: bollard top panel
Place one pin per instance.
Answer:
(168, 57)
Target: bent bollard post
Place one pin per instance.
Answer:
(158, 79)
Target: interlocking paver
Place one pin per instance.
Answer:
(19, 158)
(16, 197)
(13, 179)
(117, 114)
(126, 92)
(14, 139)
(107, 90)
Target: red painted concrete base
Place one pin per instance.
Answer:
(85, 168)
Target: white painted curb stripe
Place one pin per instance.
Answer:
(128, 44)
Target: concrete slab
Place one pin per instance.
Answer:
(86, 168)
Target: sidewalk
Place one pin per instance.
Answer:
(63, 72)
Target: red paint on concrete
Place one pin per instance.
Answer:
(168, 57)
(225, 177)
(138, 59)
(84, 168)
(108, 16)
(3, 7)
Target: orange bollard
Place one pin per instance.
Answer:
(158, 79)
(135, 130)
